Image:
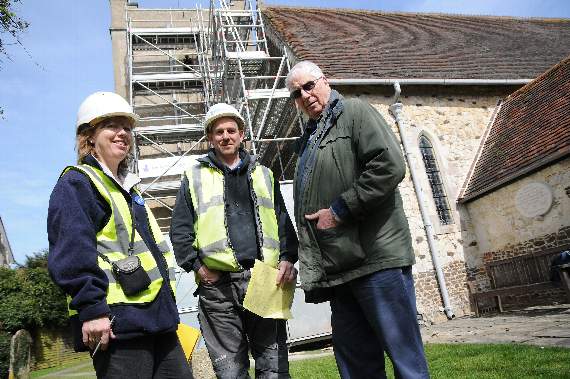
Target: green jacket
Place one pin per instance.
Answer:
(357, 163)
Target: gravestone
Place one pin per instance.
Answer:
(20, 352)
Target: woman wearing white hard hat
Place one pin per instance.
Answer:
(107, 253)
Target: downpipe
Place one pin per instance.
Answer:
(396, 112)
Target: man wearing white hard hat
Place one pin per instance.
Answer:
(108, 255)
(228, 213)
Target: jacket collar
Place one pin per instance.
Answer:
(333, 109)
(129, 179)
(247, 161)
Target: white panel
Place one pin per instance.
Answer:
(163, 31)
(143, 78)
(287, 192)
(309, 321)
(247, 55)
(151, 168)
(266, 93)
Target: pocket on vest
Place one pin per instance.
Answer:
(340, 248)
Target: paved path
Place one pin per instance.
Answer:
(81, 370)
(542, 326)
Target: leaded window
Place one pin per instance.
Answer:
(435, 182)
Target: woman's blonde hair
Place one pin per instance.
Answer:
(85, 146)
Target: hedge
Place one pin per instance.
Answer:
(30, 300)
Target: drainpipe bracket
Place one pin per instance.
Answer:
(397, 92)
(396, 110)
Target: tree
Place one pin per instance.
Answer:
(10, 24)
(29, 297)
(29, 300)
(5, 339)
(37, 259)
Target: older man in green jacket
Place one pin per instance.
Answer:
(354, 241)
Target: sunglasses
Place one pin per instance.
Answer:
(307, 87)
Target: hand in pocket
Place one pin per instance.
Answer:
(324, 217)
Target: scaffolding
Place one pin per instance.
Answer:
(249, 73)
(181, 61)
(167, 88)
(253, 79)
(178, 63)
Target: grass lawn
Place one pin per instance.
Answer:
(449, 361)
(464, 361)
(75, 368)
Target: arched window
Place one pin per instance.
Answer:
(435, 182)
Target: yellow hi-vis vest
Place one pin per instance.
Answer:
(206, 187)
(113, 242)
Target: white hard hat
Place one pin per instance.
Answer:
(220, 110)
(101, 105)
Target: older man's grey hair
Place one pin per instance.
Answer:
(303, 67)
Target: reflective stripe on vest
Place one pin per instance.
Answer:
(206, 186)
(113, 241)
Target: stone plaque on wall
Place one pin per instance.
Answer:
(534, 199)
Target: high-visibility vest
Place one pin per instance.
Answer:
(114, 238)
(206, 187)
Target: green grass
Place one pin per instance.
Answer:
(322, 368)
(466, 361)
(497, 361)
(72, 367)
(449, 361)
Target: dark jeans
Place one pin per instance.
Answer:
(376, 314)
(155, 356)
(230, 331)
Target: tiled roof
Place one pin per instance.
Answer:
(354, 44)
(531, 129)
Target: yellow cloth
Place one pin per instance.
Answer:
(188, 337)
(264, 297)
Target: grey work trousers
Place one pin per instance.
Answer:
(230, 331)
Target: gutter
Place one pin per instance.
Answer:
(396, 112)
(442, 82)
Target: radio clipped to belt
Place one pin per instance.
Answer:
(129, 272)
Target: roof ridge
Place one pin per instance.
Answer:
(384, 12)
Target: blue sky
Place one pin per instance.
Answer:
(70, 49)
